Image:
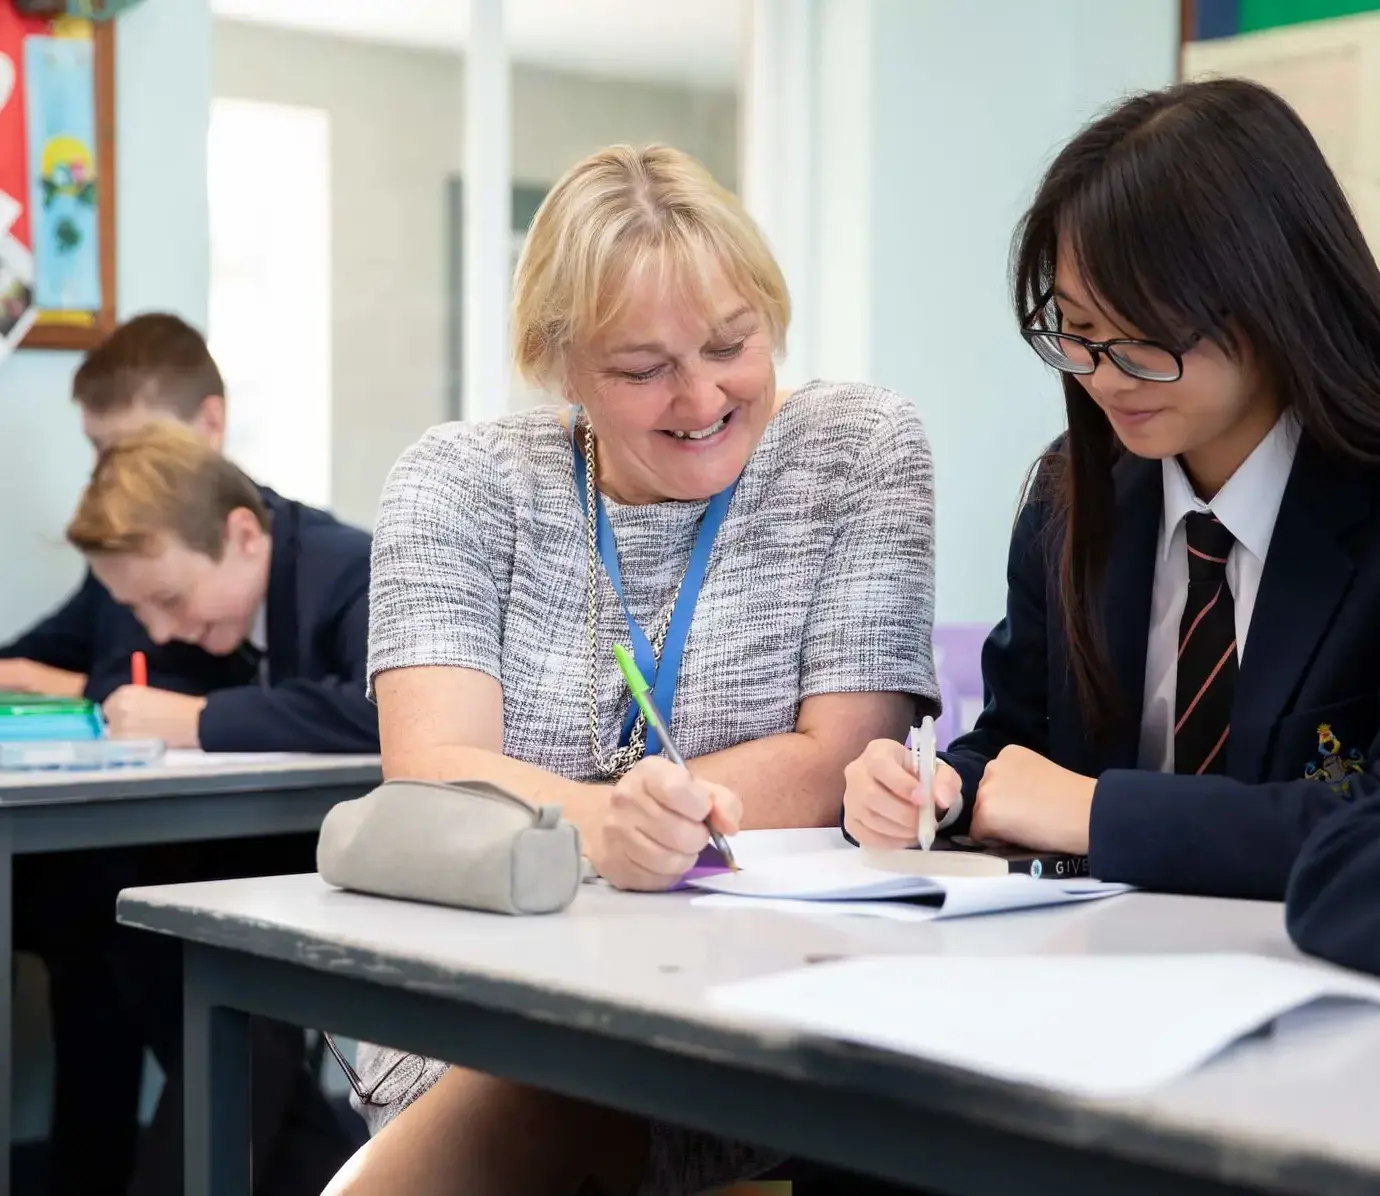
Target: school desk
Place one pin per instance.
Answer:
(189, 797)
(607, 1002)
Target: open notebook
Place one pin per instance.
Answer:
(846, 882)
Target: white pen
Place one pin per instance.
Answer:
(922, 758)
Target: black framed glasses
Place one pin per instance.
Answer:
(1147, 361)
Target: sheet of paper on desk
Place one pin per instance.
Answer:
(1102, 1026)
(818, 876)
(755, 848)
(839, 882)
(752, 849)
(963, 896)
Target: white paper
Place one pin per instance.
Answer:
(754, 848)
(844, 876)
(1101, 1026)
(817, 876)
(961, 896)
(891, 911)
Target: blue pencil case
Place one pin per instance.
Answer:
(65, 733)
(35, 728)
(26, 719)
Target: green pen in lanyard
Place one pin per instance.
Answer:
(637, 686)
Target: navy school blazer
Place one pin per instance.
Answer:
(318, 631)
(1304, 740)
(1332, 907)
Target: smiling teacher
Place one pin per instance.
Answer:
(766, 555)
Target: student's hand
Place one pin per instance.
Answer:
(654, 826)
(881, 798)
(1025, 800)
(137, 712)
(30, 677)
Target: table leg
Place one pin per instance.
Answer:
(6, 1003)
(215, 1063)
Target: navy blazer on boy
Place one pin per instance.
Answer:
(310, 698)
(1306, 712)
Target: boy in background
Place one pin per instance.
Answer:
(154, 366)
(204, 558)
(180, 536)
(158, 368)
(206, 657)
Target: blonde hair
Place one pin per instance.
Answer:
(162, 480)
(613, 215)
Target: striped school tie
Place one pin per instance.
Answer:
(1207, 665)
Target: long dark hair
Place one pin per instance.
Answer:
(1203, 209)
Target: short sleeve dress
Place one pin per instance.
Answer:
(821, 581)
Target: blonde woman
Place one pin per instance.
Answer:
(771, 550)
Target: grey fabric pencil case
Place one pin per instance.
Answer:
(462, 843)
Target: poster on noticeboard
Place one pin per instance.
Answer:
(56, 181)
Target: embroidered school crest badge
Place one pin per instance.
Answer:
(1333, 763)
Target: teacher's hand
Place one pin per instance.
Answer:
(654, 825)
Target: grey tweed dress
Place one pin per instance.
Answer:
(821, 581)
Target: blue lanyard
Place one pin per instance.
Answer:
(662, 678)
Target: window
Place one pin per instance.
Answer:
(526, 200)
(270, 306)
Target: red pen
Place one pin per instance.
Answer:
(138, 669)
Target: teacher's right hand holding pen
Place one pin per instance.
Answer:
(882, 798)
(657, 823)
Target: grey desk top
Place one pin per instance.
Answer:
(638, 966)
(188, 774)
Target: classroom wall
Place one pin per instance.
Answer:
(964, 116)
(396, 137)
(842, 113)
(163, 66)
(928, 126)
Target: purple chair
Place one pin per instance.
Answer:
(958, 663)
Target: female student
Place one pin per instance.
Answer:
(1185, 682)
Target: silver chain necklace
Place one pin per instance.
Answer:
(611, 765)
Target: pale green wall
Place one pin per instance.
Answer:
(163, 105)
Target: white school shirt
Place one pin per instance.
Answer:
(1248, 506)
